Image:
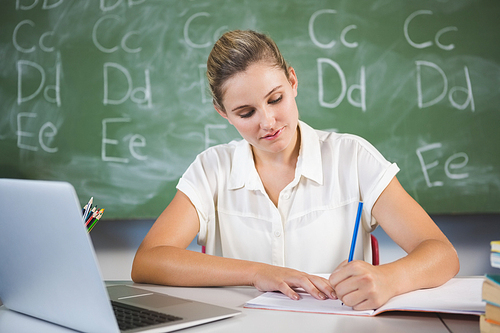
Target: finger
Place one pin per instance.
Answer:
(305, 282)
(361, 300)
(365, 305)
(355, 299)
(288, 291)
(347, 286)
(339, 274)
(324, 286)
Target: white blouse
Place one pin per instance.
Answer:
(311, 228)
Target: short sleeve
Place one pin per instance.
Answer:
(374, 174)
(198, 183)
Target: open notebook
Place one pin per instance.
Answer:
(459, 295)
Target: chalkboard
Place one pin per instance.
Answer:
(110, 95)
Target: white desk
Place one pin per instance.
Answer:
(260, 321)
(253, 320)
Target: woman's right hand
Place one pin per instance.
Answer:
(285, 280)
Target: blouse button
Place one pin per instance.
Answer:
(277, 234)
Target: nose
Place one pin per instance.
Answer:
(267, 120)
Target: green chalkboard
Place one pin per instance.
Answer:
(110, 95)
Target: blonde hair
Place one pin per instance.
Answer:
(233, 53)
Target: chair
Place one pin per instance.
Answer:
(375, 253)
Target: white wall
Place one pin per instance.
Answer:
(115, 243)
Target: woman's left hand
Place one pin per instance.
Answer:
(361, 285)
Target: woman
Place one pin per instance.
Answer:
(280, 204)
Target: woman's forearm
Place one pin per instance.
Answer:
(168, 265)
(173, 266)
(430, 264)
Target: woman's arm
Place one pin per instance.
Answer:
(431, 260)
(162, 258)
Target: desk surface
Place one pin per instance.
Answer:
(254, 320)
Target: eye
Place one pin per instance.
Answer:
(276, 100)
(248, 114)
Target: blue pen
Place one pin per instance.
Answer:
(355, 233)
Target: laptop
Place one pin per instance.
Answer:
(49, 270)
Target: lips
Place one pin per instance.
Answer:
(274, 135)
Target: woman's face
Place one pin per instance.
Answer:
(260, 104)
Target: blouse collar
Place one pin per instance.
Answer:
(309, 163)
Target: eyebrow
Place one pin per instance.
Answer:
(267, 95)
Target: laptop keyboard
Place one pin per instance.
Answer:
(130, 317)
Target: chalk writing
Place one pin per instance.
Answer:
(332, 43)
(468, 91)
(23, 66)
(135, 141)
(187, 38)
(124, 41)
(205, 97)
(427, 43)
(136, 69)
(130, 91)
(449, 165)
(186, 32)
(46, 4)
(361, 87)
(41, 42)
(109, 5)
(208, 128)
(47, 132)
